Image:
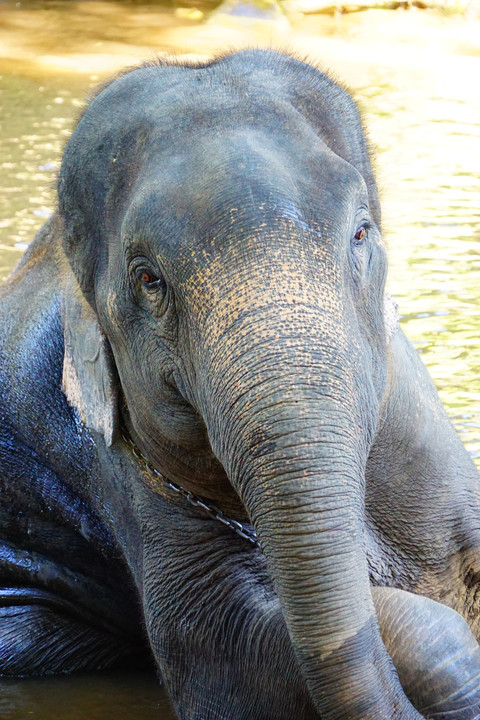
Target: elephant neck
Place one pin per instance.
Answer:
(205, 506)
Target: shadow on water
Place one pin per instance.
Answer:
(103, 696)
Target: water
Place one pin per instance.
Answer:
(416, 77)
(102, 696)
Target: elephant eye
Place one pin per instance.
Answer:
(360, 234)
(149, 279)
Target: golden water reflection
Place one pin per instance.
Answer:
(413, 74)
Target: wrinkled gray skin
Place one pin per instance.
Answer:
(213, 283)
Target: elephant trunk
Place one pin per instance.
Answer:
(435, 654)
(292, 428)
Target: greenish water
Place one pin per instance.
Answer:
(416, 78)
(103, 696)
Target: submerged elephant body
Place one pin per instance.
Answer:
(201, 331)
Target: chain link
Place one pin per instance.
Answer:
(211, 510)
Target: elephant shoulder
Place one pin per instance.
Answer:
(36, 417)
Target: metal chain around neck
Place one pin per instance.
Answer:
(211, 510)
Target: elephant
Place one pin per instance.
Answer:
(220, 455)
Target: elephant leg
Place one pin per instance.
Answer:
(42, 635)
(226, 652)
(436, 656)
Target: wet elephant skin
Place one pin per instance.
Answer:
(212, 289)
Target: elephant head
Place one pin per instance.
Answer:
(228, 311)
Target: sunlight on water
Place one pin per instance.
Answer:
(416, 78)
(36, 120)
(429, 167)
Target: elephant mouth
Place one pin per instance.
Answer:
(161, 482)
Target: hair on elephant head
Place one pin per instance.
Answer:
(225, 310)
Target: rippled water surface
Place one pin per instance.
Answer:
(416, 78)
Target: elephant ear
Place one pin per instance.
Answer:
(390, 316)
(89, 375)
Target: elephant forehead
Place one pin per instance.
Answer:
(243, 219)
(240, 187)
(173, 100)
(154, 120)
(250, 159)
